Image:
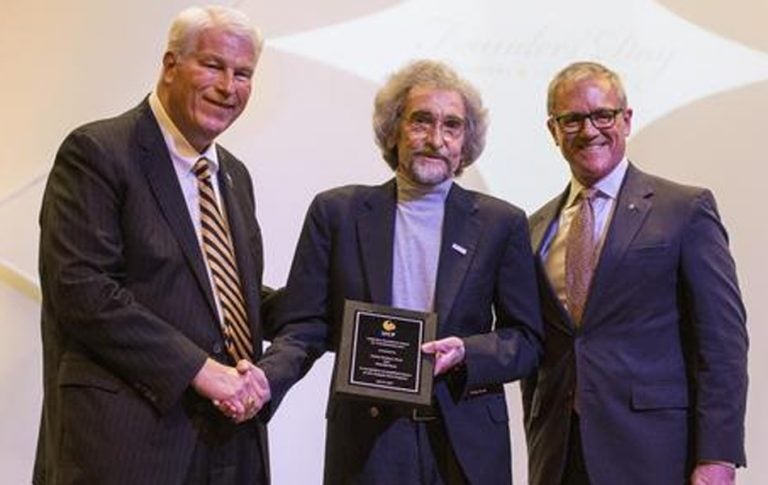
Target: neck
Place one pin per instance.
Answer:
(408, 190)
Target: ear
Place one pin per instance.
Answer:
(170, 62)
(552, 127)
(626, 117)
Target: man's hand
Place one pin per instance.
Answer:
(449, 352)
(238, 392)
(713, 473)
(257, 389)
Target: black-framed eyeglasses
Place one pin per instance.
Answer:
(601, 119)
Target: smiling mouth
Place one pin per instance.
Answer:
(594, 146)
(220, 104)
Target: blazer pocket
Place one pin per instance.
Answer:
(640, 252)
(86, 374)
(659, 396)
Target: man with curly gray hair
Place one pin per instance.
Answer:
(418, 242)
(390, 101)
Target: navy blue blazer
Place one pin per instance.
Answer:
(659, 364)
(486, 295)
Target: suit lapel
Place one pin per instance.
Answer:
(375, 233)
(158, 169)
(541, 223)
(542, 220)
(631, 210)
(461, 232)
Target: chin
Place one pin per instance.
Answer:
(213, 122)
(430, 178)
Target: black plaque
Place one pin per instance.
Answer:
(379, 356)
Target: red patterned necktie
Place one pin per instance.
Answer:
(580, 255)
(220, 257)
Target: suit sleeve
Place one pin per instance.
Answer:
(512, 350)
(716, 337)
(83, 271)
(300, 310)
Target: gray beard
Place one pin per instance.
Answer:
(429, 173)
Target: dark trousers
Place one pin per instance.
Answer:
(405, 452)
(225, 453)
(443, 462)
(575, 472)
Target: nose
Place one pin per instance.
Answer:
(435, 136)
(226, 81)
(588, 128)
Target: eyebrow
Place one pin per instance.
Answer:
(431, 113)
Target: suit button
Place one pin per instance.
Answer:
(374, 412)
(217, 348)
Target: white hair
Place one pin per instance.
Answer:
(191, 22)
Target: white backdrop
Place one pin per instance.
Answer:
(696, 74)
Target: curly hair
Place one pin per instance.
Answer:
(390, 103)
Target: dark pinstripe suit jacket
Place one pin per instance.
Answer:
(128, 316)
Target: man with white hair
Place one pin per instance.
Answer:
(150, 267)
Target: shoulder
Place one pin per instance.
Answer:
(120, 126)
(486, 204)
(668, 195)
(669, 188)
(111, 141)
(498, 219)
(348, 196)
(339, 207)
(108, 146)
(351, 191)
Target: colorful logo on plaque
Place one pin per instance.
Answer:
(388, 328)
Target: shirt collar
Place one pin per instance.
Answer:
(607, 186)
(178, 146)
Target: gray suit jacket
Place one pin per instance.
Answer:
(659, 364)
(128, 314)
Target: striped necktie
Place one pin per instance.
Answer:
(220, 256)
(580, 255)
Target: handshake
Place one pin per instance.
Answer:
(238, 392)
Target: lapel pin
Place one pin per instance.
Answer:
(459, 249)
(229, 179)
(632, 207)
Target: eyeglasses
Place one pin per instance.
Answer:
(602, 119)
(422, 122)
